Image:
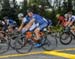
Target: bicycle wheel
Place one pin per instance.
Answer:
(17, 42)
(65, 38)
(27, 47)
(4, 45)
(50, 42)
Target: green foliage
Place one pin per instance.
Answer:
(7, 10)
(57, 28)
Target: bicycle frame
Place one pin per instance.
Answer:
(31, 35)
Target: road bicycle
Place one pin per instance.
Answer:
(25, 43)
(67, 36)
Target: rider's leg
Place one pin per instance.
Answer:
(25, 28)
(37, 30)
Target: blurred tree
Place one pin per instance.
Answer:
(24, 7)
(9, 8)
(5, 8)
(49, 3)
(69, 4)
(13, 9)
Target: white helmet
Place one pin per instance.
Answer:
(65, 15)
(20, 15)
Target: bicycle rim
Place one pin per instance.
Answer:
(26, 48)
(4, 46)
(17, 43)
(50, 43)
(65, 38)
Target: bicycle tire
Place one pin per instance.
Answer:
(51, 41)
(4, 46)
(27, 47)
(17, 43)
(67, 40)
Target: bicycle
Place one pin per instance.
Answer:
(66, 36)
(5, 41)
(27, 42)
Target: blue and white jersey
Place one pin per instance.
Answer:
(72, 18)
(11, 22)
(39, 19)
(26, 20)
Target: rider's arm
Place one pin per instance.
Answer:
(30, 23)
(67, 23)
(21, 26)
(71, 22)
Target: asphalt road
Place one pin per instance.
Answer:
(60, 52)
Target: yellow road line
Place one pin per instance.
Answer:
(55, 53)
(71, 58)
(60, 54)
(16, 55)
(68, 49)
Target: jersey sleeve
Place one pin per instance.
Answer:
(72, 19)
(24, 20)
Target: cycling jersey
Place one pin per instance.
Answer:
(39, 19)
(62, 20)
(11, 22)
(26, 20)
(72, 18)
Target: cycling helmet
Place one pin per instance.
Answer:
(29, 10)
(20, 15)
(6, 17)
(65, 15)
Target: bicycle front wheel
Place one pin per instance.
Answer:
(50, 43)
(27, 47)
(17, 43)
(65, 38)
(4, 45)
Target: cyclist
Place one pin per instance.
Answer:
(35, 18)
(70, 20)
(9, 22)
(61, 20)
(24, 21)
